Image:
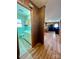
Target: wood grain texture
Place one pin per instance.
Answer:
(38, 17)
(50, 49)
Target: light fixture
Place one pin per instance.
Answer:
(56, 25)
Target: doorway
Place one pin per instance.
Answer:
(23, 29)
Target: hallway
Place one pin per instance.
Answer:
(50, 49)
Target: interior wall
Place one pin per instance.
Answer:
(38, 16)
(41, 24)
(35, 25)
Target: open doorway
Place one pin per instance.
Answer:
(52, 27)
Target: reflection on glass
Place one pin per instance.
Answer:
(24, 28)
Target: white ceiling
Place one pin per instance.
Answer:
(39, 3)
(53, 10)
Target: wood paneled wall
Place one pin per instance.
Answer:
(41, 24)
(38, 16)
(35, 25)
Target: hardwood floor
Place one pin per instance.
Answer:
(50, 49)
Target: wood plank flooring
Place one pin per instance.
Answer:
(50, 49)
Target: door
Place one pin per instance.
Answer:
(23, 28)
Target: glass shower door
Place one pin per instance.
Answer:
(24, 29)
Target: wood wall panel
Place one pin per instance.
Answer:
(38, 16)
(35, 25)
(41, 24)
